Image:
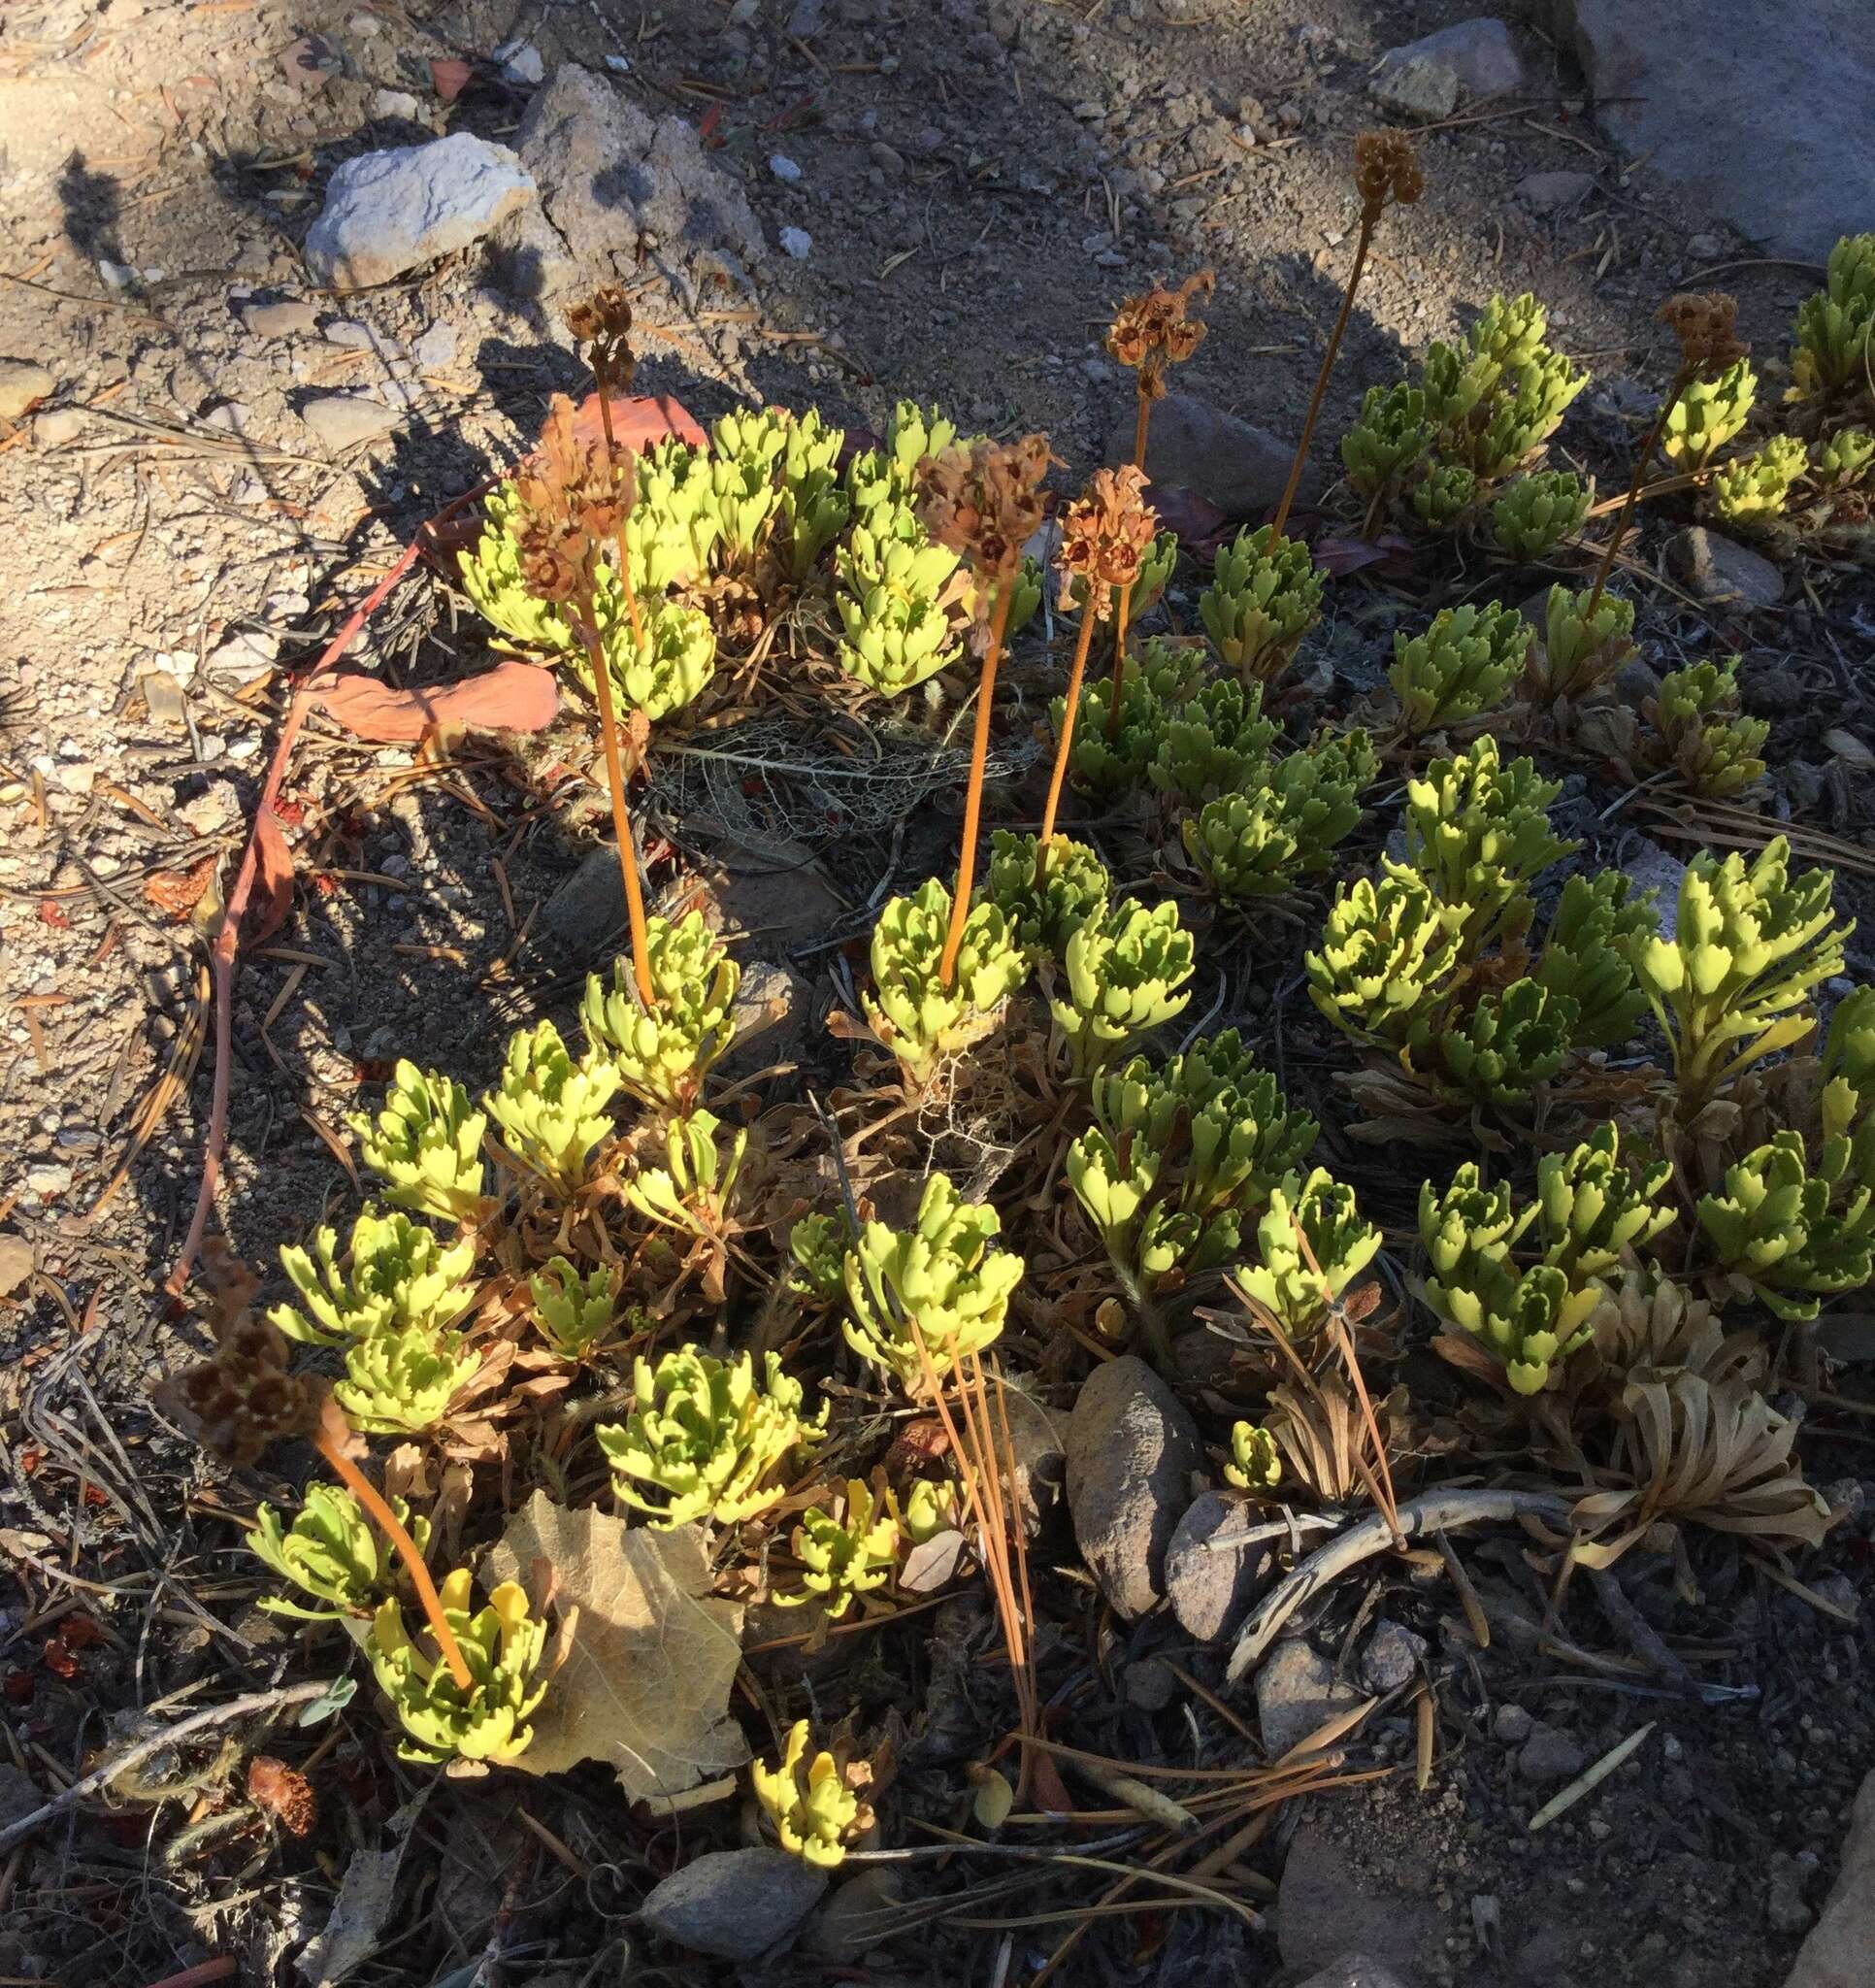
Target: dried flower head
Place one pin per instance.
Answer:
(1386, 171)
(570, 503)
(603, 321)
(1702, 321)
(1155, 331)
(283, 1792)
(242, 1399)
(1105, 534)
(986, 501)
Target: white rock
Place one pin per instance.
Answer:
(47, 1179)
(387, 211)
(342, 420)
(798, 242)
(784, 168)
(117, 276)
(520, 62)
(288, 319)
(246, 655)
(57, 426)
(435, 348)
(22, 383)
(396, 103)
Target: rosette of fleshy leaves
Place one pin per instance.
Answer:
(708, 1438)
(549, 1112)
(814, 507)
(1180, 1156)
(574, 1309)
(1478, 831)
(425, 1144)
(503, 1644)
(1579, 650)
(675, 523)
(1286, 825)
(1836, 326)
(817, 1246)
(1596, 1209)
(1217, 742)
(1732, 986)
(1510, 1041)
(331, 1551)
(846, 1549)
(806, 1797)
(1459, 667)
(664, 672)
(396, 1275)
(1587, 957)
(1707, 415)
(1264, 597)
(745, 451)
(1123, 973)
(1445, 496)
(1318, 1210)
(692, 1189)
(1843, 461)
(1158, 680)
(662, 1054)
(1256, 1464)
(1538, 513)
(1042, 915)
(1388, 954)
(1701, 732)
(893, 596)
(910, 1010)
(1395, 429)
(920, 1298)
(1848, 1069)
(1793, 1234)
(1497, 397)
(401, 1381)
(1753, 491)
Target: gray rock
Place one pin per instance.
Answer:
(1211, 1583)
(1721, 572)
(1836, 1954)
(387, 211)
(22, 383)
(342, 420)
(1391, 1658)
(847, 1925)
(1512, 1724)
(435, 348)
(1131, 1448)
(1328, 1906)
(588, 908)
(1549, 1754)
(773, 1009)
(1460, 64)
(1297, 1694)
(15, 1267)
(1554, 193)
(56, 426)
(1762, 114)
(795, 243)
(19, 1794)
(807, 19)
(1235, 465)
(1785, 1906)
(1353, 1970)
(1652, 868)
(396, 104)
(733, 1903)
(1151, 1685)
(290, 318)
(522, 63)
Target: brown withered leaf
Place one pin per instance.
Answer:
(647, 1681)
(177, 892)
(283, 1792)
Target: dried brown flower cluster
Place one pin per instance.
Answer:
(1105, 534)
(243, 1399)
(603, 321)
(1704, 321)
(573, 501)
(985, 502)
(1386, 173)
(1153, 332)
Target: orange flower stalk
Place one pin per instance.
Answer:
(1153, 333)
(1386, 174)
(985, 503)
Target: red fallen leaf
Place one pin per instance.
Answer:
(449, 77)
(1051, 1790)
(1342, 552)
(511, 697)
(273, 892)
(324, 885)
(177, 892)
(640, 420)
(59, 1658)
(54, 914)
(1199, 524)
(290, 813)
(30, 1460)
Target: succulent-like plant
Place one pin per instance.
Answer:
(692, 1189)
(1157, 564)
(1256, 1464)
(1776, 1226)
(1843, 460)
(401, 1381)
(1707, 414)
(575, 1308)
(549, 1112)
(817, 1244)
(1264, 595)
(1286, 826)
(1512, 1039)
(1754, 490)
(1586, 955)
(746, 448)
(1538, 513)
(426, 1144)
(676, 522)
(504, 1647)
(1389, 952)
(1732, 986)
(894, 585)
(1585, 642)
(1041, 914)
(1594, 1207)
(1394, 431)
(663, 1053)
(396, 1275)
(920, 1020)
(1123, 973)
(807, 1801)
(331, 1551)
(931, 1293)
(1497, 399)
(708, 1439)
(846, 1549)
(663, 671)
(1848, 1064)
(1218, 743)
(1296, 1292)
(491, 577)
(1836, 326)
(1459, 667)
(1445, 496)
(814, 507)
(1160, 680)
(1702, 735)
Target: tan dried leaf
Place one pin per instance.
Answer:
(283, 1792)
(646, 1683)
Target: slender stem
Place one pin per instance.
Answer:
(960, 904)
(602, 679)
(1280, 516)
(387, 1522)
(1139, 420)
(1059, 774)
(1122, 601)
(1628, 502)
(625, 519)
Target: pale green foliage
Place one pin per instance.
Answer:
(891, 598)
(1042, 918)
(1287, 825)
(1536, 514)
(1843, 460)
(707, 1438)
(691, 1190)
(1256, 1464)
(1835, 326)
(675, 523)
(1755, 489)
(1122, 974)
(1849, 1061)
(1714, 751)
(942, 1283)
(426, 1144)
(1594, 1209)
(1497, 398)
(1158, 682)
(331, 1551)
(503, 1645)
(845, 1549)
(401, 1381)
(396, 1275)
(814, 506)
(1264, 596)
(818, 1245)
(575, 1308)
(672, 664)
(1459, 667)
(1217, 742)
(1796, 1236)
(1512, 1039)
(663, 1055)
(1732, 986)
(491, 577)
(1444, 495)
(1282, 1281)
(810, 1807)
(1389, 951)
(920, 1020)
(550, 1111)
(1708, 414)
(929, 1506)
(1580, 652)
(1027, 585)
(746, 448)
(1393, 433)
(1587, 957)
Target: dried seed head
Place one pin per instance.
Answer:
(1105, 534)
(1155, 331)
(572, 503)
(603, 321)
(1386, 171)
(986, 501)
(1702, 321)
(243, 1399)
(283, 1792)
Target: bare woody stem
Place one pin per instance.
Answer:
(602, 679)
(960, 904)
(1280, 515)
(387, 1522)
(1122, 601)
(1075, 672)
(1139, 420)
(1627, 511)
